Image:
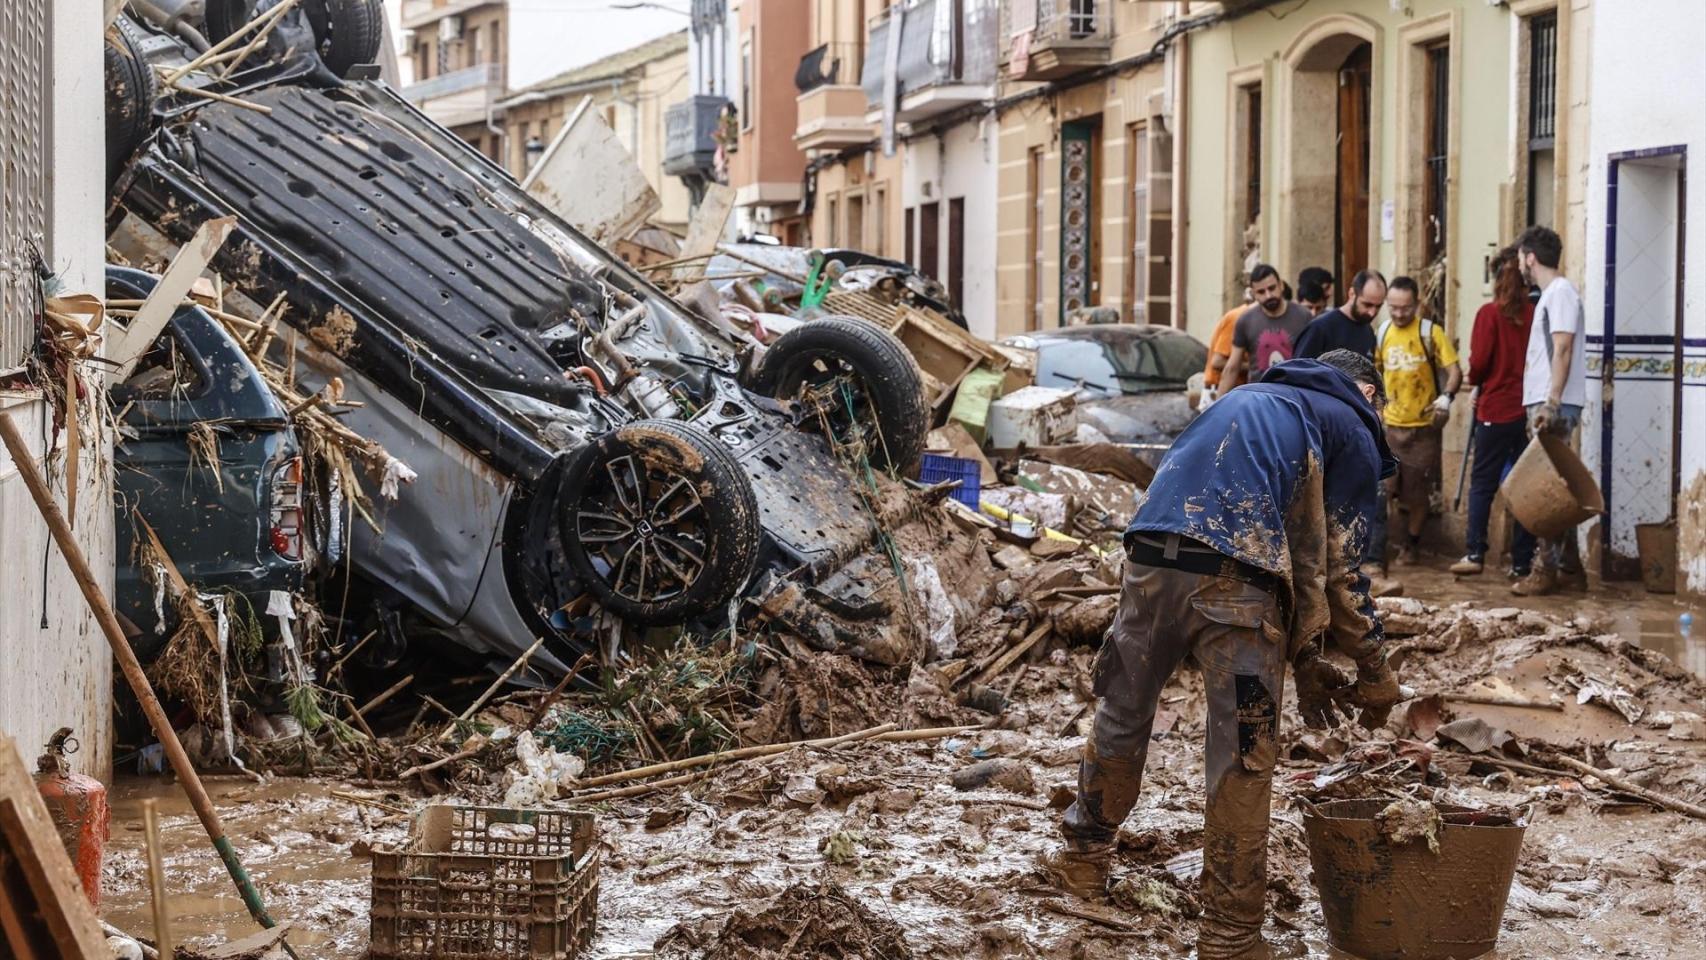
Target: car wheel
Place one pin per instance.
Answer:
(131, 90)
(659, 522)
(348, 32)
(864, 380)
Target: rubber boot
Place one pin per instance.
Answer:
(1537, 584)
(1082, 872)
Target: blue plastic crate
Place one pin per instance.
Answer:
(935, 468)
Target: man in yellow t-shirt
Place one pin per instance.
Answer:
(1419, 367)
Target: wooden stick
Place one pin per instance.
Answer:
(390, 692)
(556, 693)
(502, 679)
(641, 788)
(1497, 701)
(1068, 910)
(727, 756)
(924, 733)
(157, 878)
(259, 40)
(231, 41)
(1634, 790)
(222, 98)
(358, 799)
(131, 668)
(767, 268)
(1006, 659)
(462, 754)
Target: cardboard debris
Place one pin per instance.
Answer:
(953, 440)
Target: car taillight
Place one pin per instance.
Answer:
(286, 534)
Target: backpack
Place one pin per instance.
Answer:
(1427, 334)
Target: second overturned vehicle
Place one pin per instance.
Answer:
(575, 431)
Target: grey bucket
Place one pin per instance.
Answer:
(1385, 901)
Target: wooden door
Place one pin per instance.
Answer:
(957, 251)
(929, 236)
(1350, 241)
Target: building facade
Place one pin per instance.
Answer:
(55, 667)
(1644, 287)
(1335, 136)
(1085, 186)
(631, 89)
(458, 52)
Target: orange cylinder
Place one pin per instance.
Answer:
(78, 806)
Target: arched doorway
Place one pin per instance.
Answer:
(1331, 149)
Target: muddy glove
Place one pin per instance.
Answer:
(1319, 684)
(1377, 691)
(1209, 395)
(1440, 409)
(1545, 417)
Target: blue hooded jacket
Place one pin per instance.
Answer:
(1230, 479)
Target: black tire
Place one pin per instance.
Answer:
(888, 390)
(696, 516)
(130, 93)
(348, 32)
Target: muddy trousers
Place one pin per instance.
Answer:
(1231, 628)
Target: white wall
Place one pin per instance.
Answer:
(60, 674)
(961, 162)
(1647, 89)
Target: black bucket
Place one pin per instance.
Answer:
(1386, 901)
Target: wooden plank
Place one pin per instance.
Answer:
(587, 177)
(28, 836)
(706, 228)
(168, 294)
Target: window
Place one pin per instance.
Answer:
(832, 229)
(1435, 212)
(1253, 154)
(746, 85)
(1035, 219)
(496, 48)
(856, 221)
(1137, 222)
(443, 58)
(1542, 115)
(474, 48)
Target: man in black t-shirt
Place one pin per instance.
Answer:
(1350, 327)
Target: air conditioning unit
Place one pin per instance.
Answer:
(449, 29)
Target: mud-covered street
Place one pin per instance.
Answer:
(873, 846)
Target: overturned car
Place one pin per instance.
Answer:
(575, 432)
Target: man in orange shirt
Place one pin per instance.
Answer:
(1220, 348)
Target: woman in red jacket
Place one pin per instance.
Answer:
(1496, 352)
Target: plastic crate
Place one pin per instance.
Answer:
(487, 882)
(934, 468)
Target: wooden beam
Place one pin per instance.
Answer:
(168, 294)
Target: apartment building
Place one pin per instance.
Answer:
(631, 89)
(1087, 146)
(458, 51)
(904, 158)
(1337, 136)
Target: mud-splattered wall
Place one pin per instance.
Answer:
(54, 666)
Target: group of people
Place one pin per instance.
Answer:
(1250, 548)
(1528, 379)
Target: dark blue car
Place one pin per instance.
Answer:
(229, 513)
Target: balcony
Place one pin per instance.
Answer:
(460, 96)
(943, 62)
(414, 14)
(1051, 39)
(689, 136)
(831, 105)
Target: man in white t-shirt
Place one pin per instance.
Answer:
(1554, 384)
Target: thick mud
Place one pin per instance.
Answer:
(872, 838)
